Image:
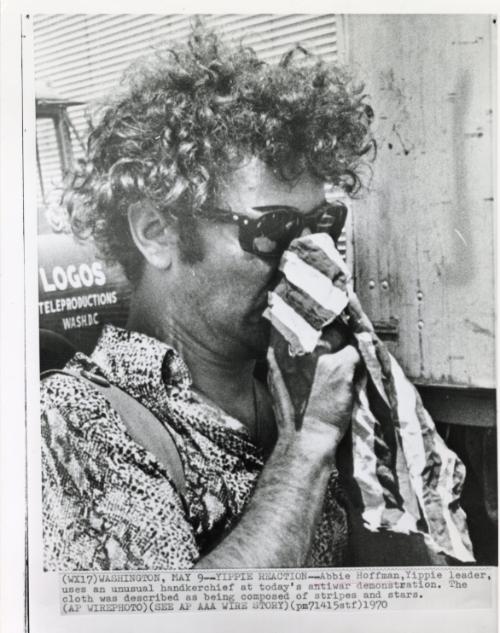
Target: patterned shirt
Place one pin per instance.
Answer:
(109, 504)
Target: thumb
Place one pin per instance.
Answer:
(333, 385)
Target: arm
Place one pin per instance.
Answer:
(278, 525)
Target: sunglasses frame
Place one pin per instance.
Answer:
(328, 217)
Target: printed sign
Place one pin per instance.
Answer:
(78, 294)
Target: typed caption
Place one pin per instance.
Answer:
(367, 589)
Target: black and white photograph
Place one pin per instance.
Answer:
(218, 388)
(264, 248)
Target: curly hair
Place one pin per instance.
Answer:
(187, 117)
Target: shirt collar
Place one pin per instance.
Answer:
(144, 367)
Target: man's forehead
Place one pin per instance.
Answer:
(255, 184)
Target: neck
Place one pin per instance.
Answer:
(222, 376)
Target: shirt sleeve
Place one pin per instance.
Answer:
(107, 504)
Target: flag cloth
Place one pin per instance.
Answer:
(408, 479)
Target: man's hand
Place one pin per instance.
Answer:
(330, 403)
(313, 393)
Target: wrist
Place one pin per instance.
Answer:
(315, 447)
(322, 433)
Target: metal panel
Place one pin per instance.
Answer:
(467, 407)
(424, 235)
(49, 159)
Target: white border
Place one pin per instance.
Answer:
(12, 382)
(12, 413)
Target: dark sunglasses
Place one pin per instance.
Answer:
(270, 234)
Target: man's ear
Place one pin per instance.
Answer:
(152, 234)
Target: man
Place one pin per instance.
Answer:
(203, 143)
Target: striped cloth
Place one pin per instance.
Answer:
(409, 481)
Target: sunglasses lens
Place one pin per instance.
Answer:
(330, 219)
(263, 245)
(274, 232)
